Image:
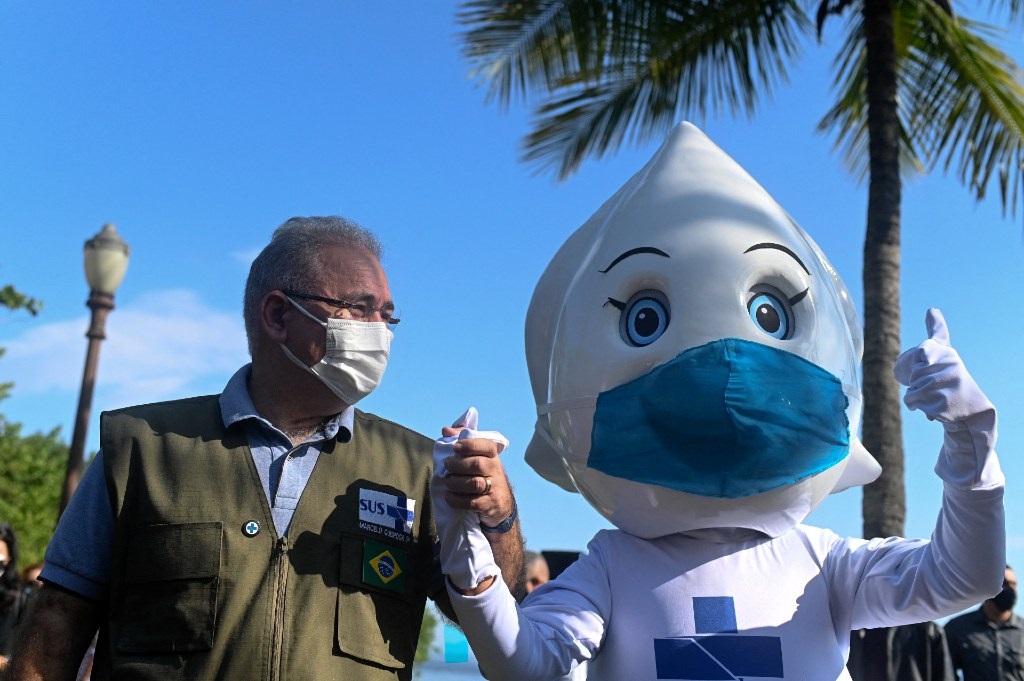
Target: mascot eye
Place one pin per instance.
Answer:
(644, 317)
(772, 314)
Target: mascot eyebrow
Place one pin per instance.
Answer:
(778, 247)
(636, 251)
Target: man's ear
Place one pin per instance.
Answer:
(273, 308)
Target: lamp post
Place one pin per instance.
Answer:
(106, 259)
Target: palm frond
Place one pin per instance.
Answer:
(530, 47)
(848, 117)
(593, 120)
(1013, 9)
(966, 99)
(612, 68)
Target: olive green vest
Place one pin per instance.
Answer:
(203, 588)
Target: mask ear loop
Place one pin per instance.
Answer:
(298, 362)
(573, 404)
(545, 456)
(548, 408)
(305, 311)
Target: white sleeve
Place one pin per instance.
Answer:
(559, 626)
(886, 582)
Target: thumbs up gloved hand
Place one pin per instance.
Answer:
(938, 385)
(466, 555)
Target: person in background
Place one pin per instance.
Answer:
(12, 599)
(910, 652)
(273, 530)
(987, 644)
(537, 571)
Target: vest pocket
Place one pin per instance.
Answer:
(172, 574)
(374, 622)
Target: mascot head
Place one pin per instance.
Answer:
(694, 357)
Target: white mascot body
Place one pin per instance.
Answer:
(694, 359)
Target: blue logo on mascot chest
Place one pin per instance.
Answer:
(718, 651)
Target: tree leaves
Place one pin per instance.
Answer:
(618, 70)
(13, 299)
(31, 479)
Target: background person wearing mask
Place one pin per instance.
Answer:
(12, 599)
(272, 531)
(987, 644)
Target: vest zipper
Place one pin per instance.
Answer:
(280, 589)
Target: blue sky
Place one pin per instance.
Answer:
(198, 127)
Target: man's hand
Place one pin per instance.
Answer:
(475, 477)
(470, 491)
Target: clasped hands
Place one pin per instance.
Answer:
(468, 490)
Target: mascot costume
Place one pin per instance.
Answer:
(694, 359)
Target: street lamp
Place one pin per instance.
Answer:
(106, 259)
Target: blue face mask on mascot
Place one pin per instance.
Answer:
(727, 419)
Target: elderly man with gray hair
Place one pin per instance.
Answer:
(273, 530)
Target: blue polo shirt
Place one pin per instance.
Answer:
(78, 556)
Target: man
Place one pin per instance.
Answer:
(273, 531)
(987, 644)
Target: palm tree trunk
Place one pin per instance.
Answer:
(884, 504)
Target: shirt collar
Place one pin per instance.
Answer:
(236, 406)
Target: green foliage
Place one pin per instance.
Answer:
(426, 646)
(603, 72)
(13, 299)
(5, 388)
(614, 70)
(961, 103)
(31, 479)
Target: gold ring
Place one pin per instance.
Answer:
(487, 486)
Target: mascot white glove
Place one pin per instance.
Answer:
(938, 385)
(465, 552)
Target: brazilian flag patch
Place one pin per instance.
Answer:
(384, 566)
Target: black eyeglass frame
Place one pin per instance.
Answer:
(361, 308)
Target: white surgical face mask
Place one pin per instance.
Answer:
(355, 357)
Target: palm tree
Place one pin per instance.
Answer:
(918, 86)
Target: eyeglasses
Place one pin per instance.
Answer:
(357, 310)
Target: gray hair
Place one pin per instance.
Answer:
(292, 261)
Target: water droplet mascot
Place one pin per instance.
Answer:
(694, 359)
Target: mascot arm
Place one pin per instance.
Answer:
(897, 581)
(539, 642)
(558, 626)
(894, 581)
